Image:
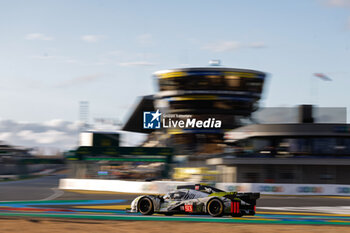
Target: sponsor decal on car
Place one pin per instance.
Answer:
(188, 208)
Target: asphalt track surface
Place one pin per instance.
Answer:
(40, 198)
(30, 189)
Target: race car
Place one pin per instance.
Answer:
(197, 199)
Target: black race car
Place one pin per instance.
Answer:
(197, 199)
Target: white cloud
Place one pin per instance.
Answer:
(73, 126)
(137, 63)
(222, 46)
(55, 133)
(38, 36)
(92, 38)
(47, 137)
(55, 123)
(5, 136)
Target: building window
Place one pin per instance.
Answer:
(287, 176)
(233, 81)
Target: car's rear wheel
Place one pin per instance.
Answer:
(145, 206)
(215, 207)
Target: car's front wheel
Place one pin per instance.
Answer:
(215, 207)
(145, 206)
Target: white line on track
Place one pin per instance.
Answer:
(56, 193)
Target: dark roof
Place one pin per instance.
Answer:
(135, 121)
(4, 147)
(282, 130)
(279, 161)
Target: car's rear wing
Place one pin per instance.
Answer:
(248, 197)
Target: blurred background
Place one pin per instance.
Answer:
(77, 76)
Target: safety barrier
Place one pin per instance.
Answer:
(287, 189)
(161, 187)
(155, 187)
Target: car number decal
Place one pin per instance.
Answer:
(188, 208)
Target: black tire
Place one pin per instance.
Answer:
(145, 206)
(215, 207)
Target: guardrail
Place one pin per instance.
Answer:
(162, 187)
(287, 189)
(154, 187)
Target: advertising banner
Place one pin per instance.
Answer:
(162, 187)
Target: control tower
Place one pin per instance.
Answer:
(227, 94)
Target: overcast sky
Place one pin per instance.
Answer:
(54, 54)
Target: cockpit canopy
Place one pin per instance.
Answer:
(184, 194)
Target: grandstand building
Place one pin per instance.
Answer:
(304, 152)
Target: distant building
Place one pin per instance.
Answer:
(304, 152)
(10, 151)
